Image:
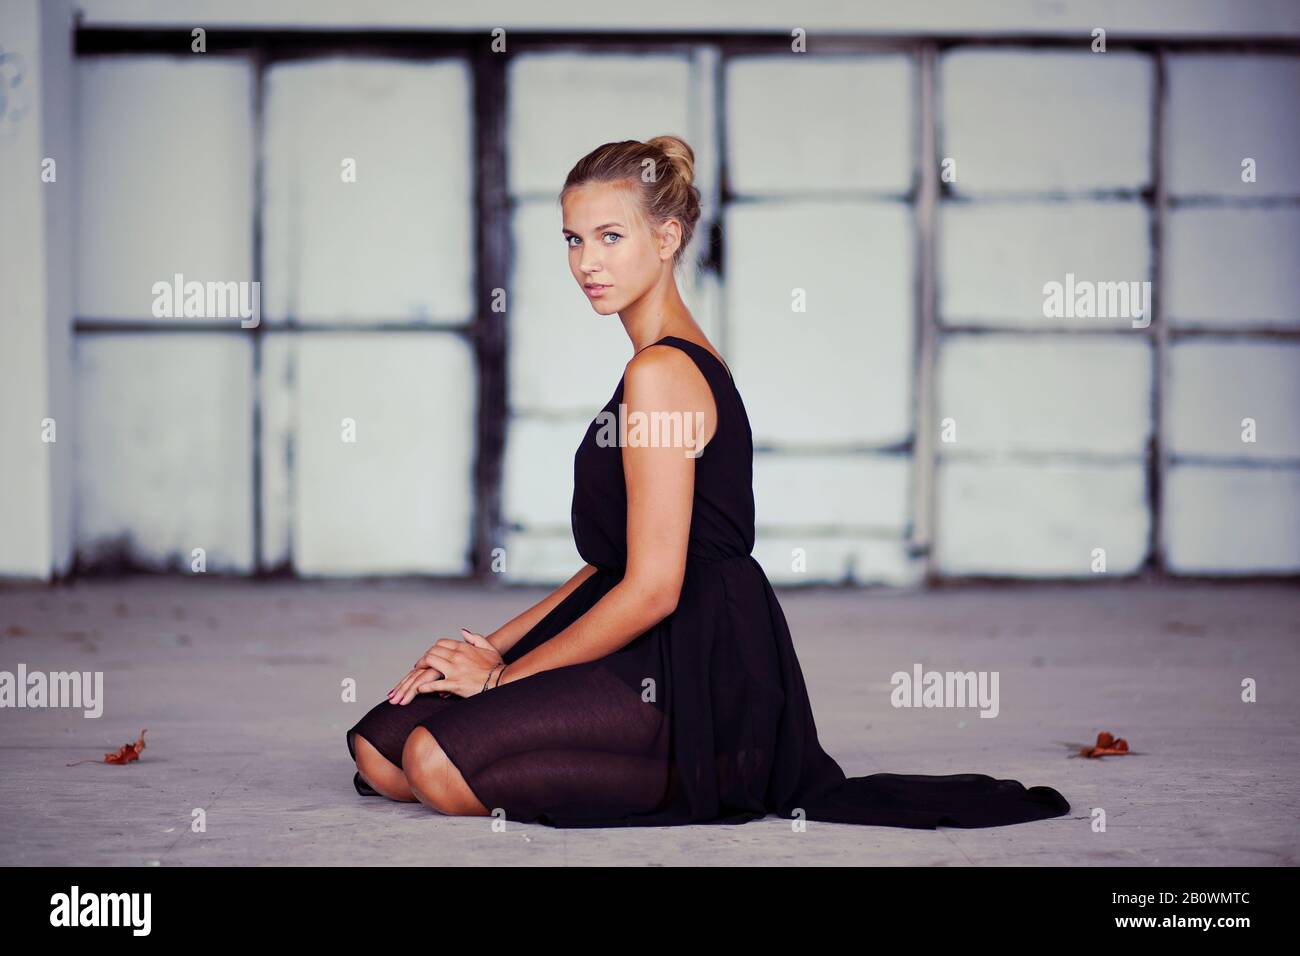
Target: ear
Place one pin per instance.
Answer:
(670, 238)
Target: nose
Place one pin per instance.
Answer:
(589, 262)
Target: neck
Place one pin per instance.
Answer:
(660, 311)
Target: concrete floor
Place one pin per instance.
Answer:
(239, 684)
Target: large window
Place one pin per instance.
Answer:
(882, 221)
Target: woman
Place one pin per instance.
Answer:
(659, 684)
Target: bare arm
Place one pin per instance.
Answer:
(660, 484)
(508, 634)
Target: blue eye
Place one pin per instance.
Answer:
(568, 240)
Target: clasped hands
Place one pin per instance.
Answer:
(450, 667)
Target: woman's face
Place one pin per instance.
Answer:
(613, 252)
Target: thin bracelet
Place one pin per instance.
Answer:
(488, 678)
(499, 676)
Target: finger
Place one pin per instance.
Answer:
(406, 675)
(478, 640)
(396, 692)
(406, 692)
(443, 643)
(407, 682)
(430, 685)
(437, 653)
(438, 662)
(419, 686)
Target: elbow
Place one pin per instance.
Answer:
(659, 598)
(667, 603)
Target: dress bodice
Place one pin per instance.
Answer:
(722, 512)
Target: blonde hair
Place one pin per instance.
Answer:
(660, 170)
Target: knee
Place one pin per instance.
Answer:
(426, 768)
(370, 761)
(378, 771)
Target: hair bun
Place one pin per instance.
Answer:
(679, 153)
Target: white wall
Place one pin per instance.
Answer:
(36, 258)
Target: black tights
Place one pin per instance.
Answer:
(575, 740)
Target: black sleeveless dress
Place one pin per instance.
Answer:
(704, 718)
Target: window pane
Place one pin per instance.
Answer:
(1035, 519)
(1234, 267)
(817, 125)
(1224, 109)
(397, 498)
(164, 447)
(839, 371)
(1213, 386)
(1232, 520)
(1023, 121)
(995, 259)
(396, 244)
(1074, 394)
(165, 184)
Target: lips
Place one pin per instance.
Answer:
(594, 290)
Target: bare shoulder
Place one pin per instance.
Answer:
(663, 371)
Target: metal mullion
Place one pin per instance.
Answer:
(1158, 466)
(925, 215)
(419, 43)
(489, 332)
(1261, 332)
(258, 61)
(714, 236)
